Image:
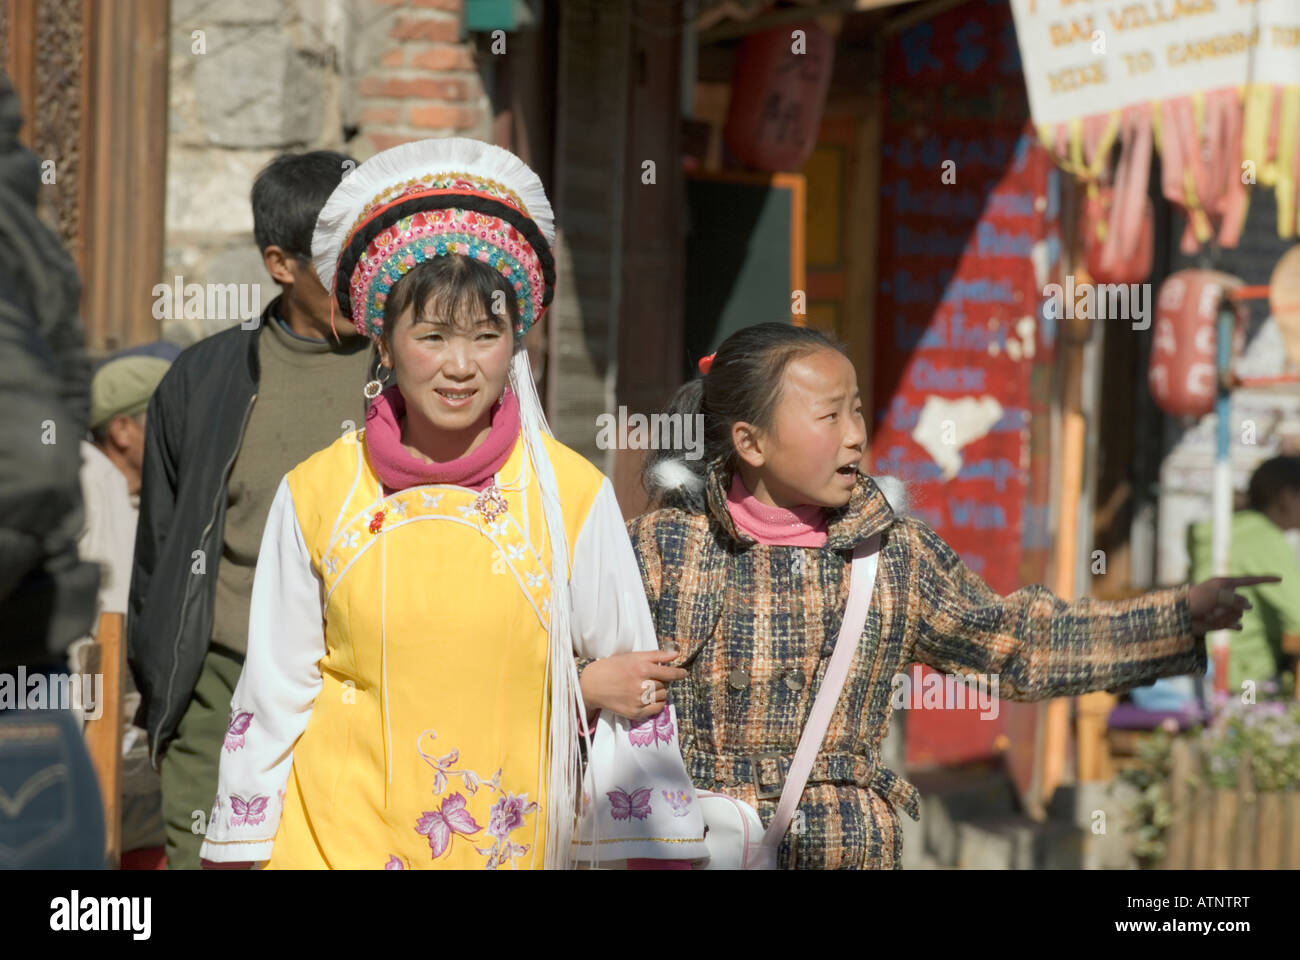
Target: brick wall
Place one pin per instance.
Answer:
(414, 78)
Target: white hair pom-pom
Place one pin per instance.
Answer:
(674, 474)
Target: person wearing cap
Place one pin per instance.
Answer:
(119, 399)
(111, 467)
(235, 412)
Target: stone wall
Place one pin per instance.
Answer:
(250, 79)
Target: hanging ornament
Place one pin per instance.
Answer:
(1182, 372)
(778, 93)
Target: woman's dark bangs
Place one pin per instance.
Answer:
(456, 287)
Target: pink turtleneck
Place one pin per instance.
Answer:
(804, 526)
(398, 468)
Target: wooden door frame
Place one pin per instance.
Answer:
(116, 227)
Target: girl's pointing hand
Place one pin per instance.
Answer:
(1216, 605)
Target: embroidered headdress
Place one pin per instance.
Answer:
(427, 199)
(449, 196)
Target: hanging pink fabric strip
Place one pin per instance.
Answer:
(1171, 160)
(1140, 177)
(1094, 128)
(1195, 159)
(1236, 199)
(1275, 125)
(1118, 238)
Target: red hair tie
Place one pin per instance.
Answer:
(707, 362)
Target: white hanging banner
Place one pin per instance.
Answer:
(1086, 57)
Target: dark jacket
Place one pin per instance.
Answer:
(47, 595)
(196, 423)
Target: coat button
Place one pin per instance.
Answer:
(794, 680)
(737, 679)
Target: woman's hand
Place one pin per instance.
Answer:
(1216, 606)
(633, 685)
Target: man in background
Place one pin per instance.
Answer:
(111, 467)
(1270, 632)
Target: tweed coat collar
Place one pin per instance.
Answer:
(866, 513)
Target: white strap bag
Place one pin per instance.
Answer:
(733, 831)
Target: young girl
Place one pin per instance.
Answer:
(746, 565)
(410, 696)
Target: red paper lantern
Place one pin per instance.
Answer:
(1134, 250)
(778, 92)
(1182, 373)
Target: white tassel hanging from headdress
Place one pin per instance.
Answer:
(564, 760)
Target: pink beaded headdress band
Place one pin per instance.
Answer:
(428, 199)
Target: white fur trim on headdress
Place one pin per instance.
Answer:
(411, 161)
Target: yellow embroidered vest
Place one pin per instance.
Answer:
(426, 743)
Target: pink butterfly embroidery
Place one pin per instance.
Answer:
(251, 812)
(394, 863)
(659, 727)
(624, 806)
(679, 800)
(239, 721)
(438, 825)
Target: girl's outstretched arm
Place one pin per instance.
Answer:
(276, 691)
(1039, 646)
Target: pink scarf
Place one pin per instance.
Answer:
(398, 468)
(804, 526)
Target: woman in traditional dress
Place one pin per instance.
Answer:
(411, 695)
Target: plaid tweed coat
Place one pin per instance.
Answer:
(755, 625)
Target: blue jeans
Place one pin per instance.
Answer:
(51, 816)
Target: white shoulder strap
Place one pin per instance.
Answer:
(862, 580)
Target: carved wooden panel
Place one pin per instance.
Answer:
(92, 80)
(57, 121)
